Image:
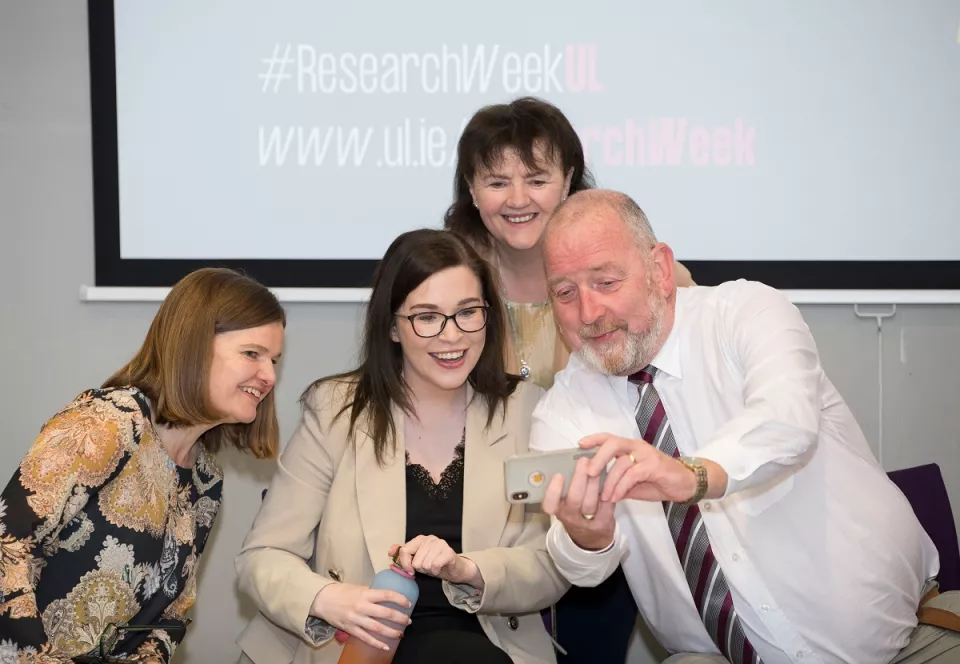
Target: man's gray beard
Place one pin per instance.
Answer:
(638, 348)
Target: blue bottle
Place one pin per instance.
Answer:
(399, 580)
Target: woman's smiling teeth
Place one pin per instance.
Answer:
(520, 219)
(449, 357)
(251, 390)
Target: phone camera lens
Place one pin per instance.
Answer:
(520, 495)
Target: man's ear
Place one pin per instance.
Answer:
(663, 265)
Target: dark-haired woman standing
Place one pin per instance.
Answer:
(404, 456)
(516, 163)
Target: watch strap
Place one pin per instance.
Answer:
(701, 473)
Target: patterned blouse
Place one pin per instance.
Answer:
(99, 526)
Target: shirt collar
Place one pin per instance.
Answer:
(668, 359)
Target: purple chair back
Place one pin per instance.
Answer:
(924, 488)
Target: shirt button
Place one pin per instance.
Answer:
(799, 655)
(706, 507)
(735, 557)
(765, 608)
(513, 623)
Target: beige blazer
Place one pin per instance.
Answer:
(331, 514)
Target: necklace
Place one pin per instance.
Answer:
(524, 367)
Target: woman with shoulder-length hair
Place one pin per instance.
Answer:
(105, 519)
(516, 163)
(404, 457)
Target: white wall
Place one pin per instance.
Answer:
(53, 346)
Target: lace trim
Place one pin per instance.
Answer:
(448, 478)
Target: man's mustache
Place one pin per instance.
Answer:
(599, 328)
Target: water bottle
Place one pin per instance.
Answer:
(393, 578)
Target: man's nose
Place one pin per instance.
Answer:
(590, 308)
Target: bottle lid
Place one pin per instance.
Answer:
(396, 567)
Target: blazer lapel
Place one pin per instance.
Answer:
(382, 495)
(485, 507)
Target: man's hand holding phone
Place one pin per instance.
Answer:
(588, 520)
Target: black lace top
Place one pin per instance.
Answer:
(437, 509)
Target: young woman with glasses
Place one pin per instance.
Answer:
(403, 457)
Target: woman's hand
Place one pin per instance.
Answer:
(357, 610)
(431, 555)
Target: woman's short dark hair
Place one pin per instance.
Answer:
(172, 367)
(524, 124)
(377, 384)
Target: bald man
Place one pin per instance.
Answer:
(750, 517)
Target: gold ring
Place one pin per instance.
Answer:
(633, 459)
(588, 517)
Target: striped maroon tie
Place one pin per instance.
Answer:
(704, 576)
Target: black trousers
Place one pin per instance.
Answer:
(448, 639)
(594, 625)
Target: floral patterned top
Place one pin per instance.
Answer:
(99, 526)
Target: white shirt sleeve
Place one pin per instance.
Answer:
(766, 338)
(550, 432)
(578, 566)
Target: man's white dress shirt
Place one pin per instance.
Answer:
(824, 556)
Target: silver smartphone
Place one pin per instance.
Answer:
(527, 475)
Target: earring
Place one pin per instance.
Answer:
(475, 205)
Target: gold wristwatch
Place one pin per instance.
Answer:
(701, 472)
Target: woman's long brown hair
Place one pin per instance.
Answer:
(377, 384)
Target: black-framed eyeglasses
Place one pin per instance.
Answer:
(111, 635)
(432, 323)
